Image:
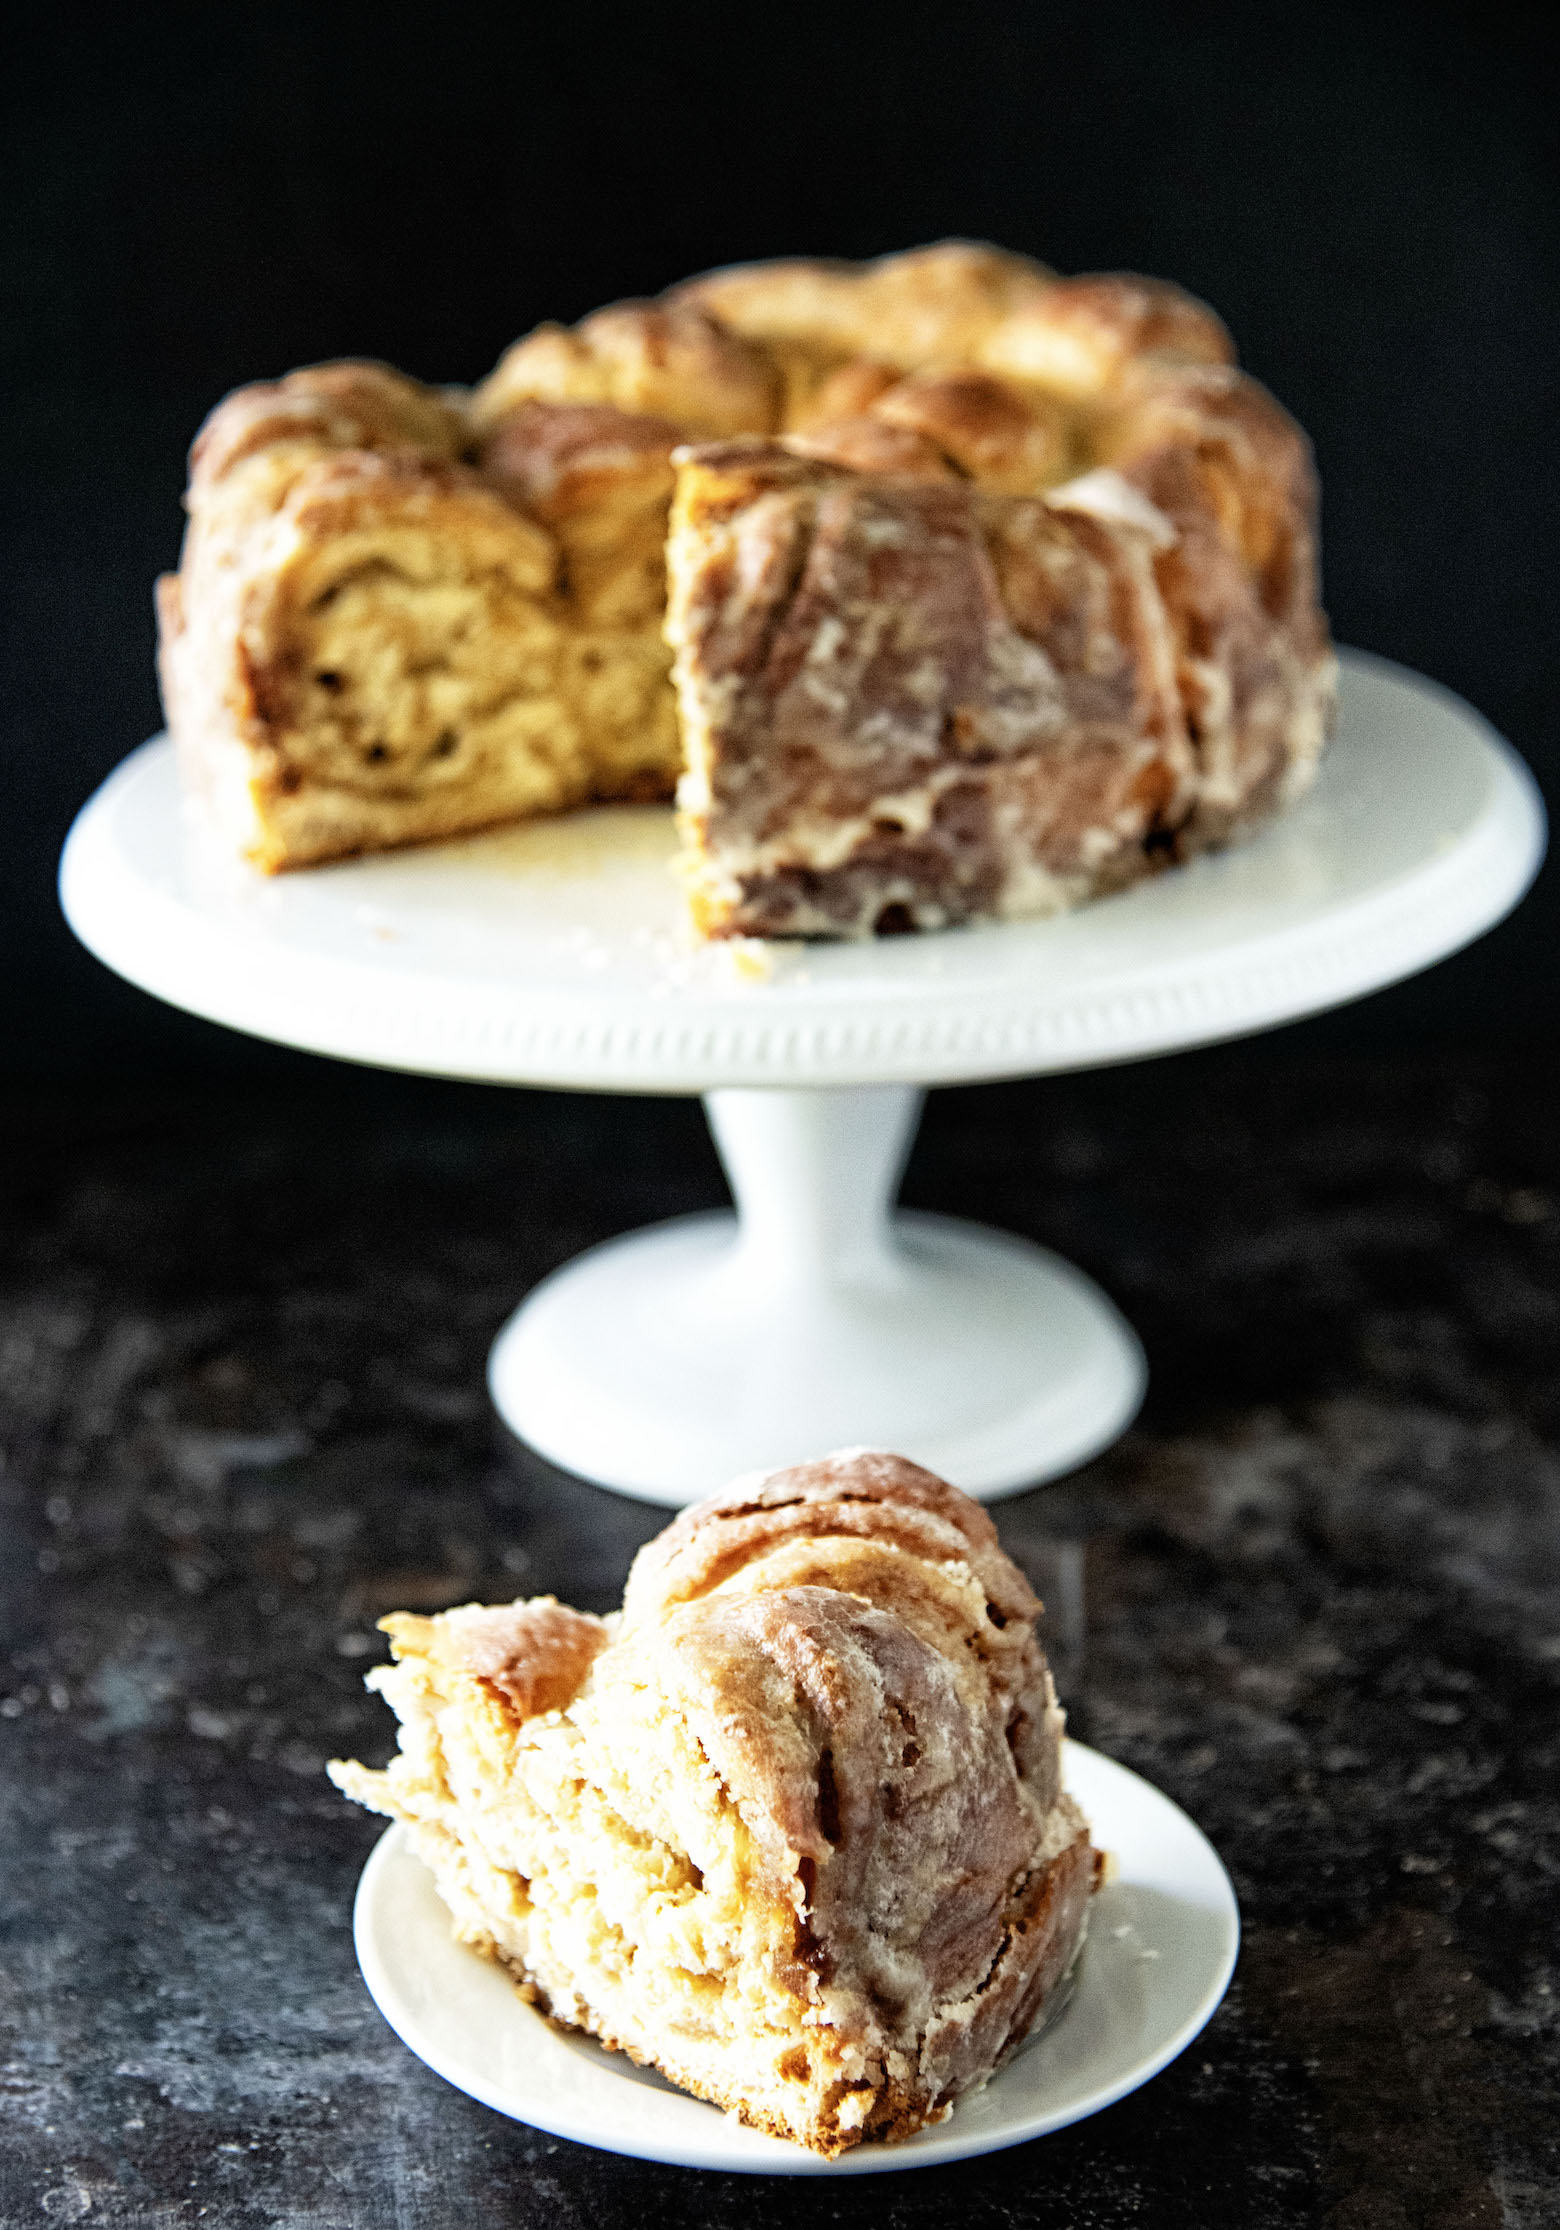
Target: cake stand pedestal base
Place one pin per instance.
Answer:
(666, 1363)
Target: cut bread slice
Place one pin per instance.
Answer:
(790, 1828)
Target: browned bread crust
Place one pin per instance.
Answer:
(667, 359)
(329, 408)
(1083, 336)
(794, 1831)
(929, 306)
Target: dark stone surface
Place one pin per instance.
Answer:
(1313, 1595)
(197, 196)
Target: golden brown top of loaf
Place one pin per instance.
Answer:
(1081, 335)
(864, 1524)
(864, 444)
(667, 359)
(1205, 439)
(1012, 443)
(957, 359)
(1015, 379)
(929, 305)
(562, 459)
(338, 406)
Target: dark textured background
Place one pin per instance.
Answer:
(241, 1413)
(196, 196)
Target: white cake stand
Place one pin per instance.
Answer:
(664, 1363)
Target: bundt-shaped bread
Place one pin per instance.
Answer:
(791, 1828)
(988, 590)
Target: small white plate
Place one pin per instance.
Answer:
(1160, 1952)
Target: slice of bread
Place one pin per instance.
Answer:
(790, 1828)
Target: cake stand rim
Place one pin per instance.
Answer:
(484, 1031)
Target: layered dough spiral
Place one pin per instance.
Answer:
(939, 588)
(790, 1827)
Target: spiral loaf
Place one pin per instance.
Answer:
(791, 1828)
(988, 591)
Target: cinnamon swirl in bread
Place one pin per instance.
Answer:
(989, 591)
(361, 647)
(790, 1828)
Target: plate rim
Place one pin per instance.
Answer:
(944, 2147)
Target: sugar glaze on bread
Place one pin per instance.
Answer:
(790, 1827)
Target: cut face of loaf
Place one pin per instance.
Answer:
(791, 1829)
(405, 613)
(371, 643)
(385, 670)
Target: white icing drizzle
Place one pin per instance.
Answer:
(1105, 495)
